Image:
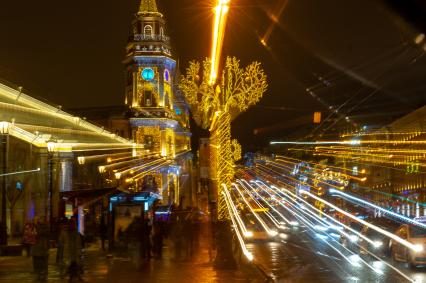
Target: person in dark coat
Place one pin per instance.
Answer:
(146, 239)
(103, 233)
(29, 238)
(157, 239)
(40, 251)
(3, 234)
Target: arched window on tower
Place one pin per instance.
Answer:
(147, 31)
(161, 32)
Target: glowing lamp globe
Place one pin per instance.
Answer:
(148, 74)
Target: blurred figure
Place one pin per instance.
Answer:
(133, 234)
(103, 233)
(40, 250)
(157, 239)
(146, 239)
(29, 237)
(188, 237)
(73, 251)
(3, 234)
(63, 230)
(178, 237)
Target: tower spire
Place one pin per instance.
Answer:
(148, 6)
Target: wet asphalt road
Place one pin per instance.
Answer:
(300, 256)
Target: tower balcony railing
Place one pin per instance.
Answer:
(154, 37)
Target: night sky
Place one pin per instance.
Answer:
(70, 53)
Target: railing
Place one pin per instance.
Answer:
(154, 37)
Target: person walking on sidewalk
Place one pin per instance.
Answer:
(178, 237)
(40, 251)
(73, 251)
(103, 232)
(157, 239)
(61, 246)
(3, 234)
(29, 237)
(133, 235)
(146, 239)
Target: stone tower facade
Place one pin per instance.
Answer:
(159, 116)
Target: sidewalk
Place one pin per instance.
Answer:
(100, 268)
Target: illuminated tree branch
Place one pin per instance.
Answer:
(214, 106)
(238, 89)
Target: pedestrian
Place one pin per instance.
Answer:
(178, 237)
(133, 235)
(146, 239)
(3, 234)
(40, 250)
(29, 237)
(73, 251)
(103, 232)
(188, 237)
(157, 239)
(63, 230)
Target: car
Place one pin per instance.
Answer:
(414, 234)
(351, 241)
(380, 245)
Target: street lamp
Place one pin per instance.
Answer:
(4, 131)
(51, 147)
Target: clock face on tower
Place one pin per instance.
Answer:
(148, 74)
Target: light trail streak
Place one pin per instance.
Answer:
(324, 166)
(275, 19)
(324, 181)
(358, 159)
(141, 175)
(359, 163)
(394, 196)
(236, 214)
(369, 149)
(85, 159)
(412, 221)
(360, 235)
(271, 206)
(293, 223)
(278, 192)
(362, 152)
(131, 168)
(267, 229)
(378, 229)
(270, 216)
(283, 158)
(324, 238)
(20, 172)
(348, 236)
(248, 254)
(384, 134)
(219, 26)
(352, 142)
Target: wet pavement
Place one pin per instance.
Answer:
(301, 257)
(100, 267)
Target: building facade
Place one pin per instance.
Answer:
(158, 114)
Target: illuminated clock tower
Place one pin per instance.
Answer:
(159, 115)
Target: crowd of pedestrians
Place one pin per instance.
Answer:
(37, 240)
(143, 239)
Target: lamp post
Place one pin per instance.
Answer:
(4, 132)
(50, 152)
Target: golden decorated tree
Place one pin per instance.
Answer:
(214, 106)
